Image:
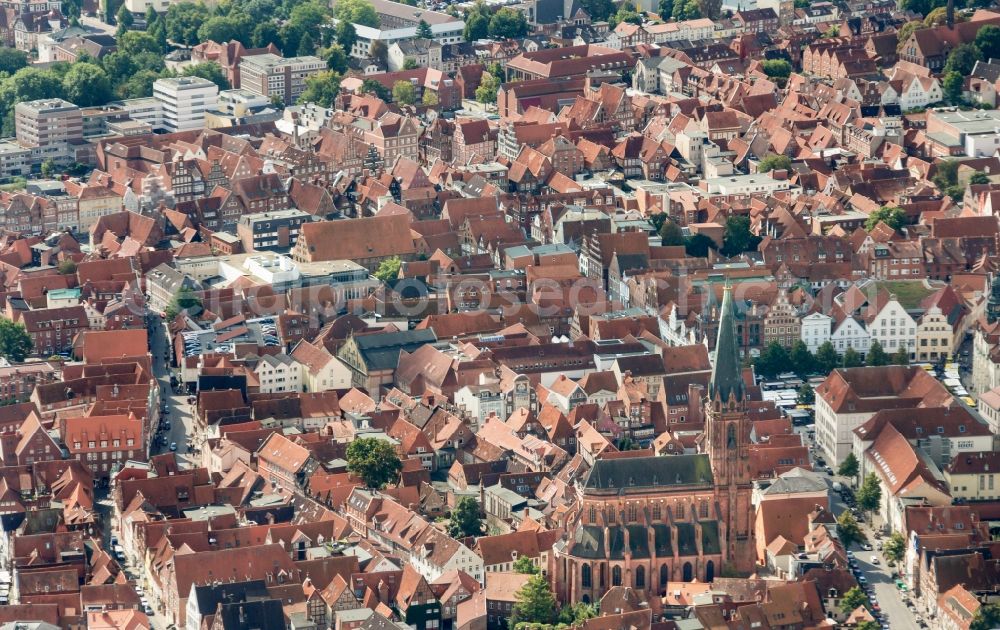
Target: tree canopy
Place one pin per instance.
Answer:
(87, 85)
(893, 216)
(894, 547)
(848, 529)
(465, 520)
(489, 85)
(403, 93)
(322, 89)
(373, 460)
(738, 237)
(508, 24)
(388, 270)
(207, 70)
(15, 342)
(534, 603)
(356, 12)
(870, 493)
(848, 467)
(988, 41)
(184, 299)
(773, 161)
(424, 30)
(183, 21)
(853, 599)
(876, 355)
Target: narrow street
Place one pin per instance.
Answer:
(178, 413)
(880, 584)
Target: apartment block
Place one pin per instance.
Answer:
(51, 128)
(274, 76)
(185, 101)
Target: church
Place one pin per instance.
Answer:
(647, 521)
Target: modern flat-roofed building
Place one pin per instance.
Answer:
(398, 23)
(271, 230)
(185, 101)
(271, 75)
(49, 127)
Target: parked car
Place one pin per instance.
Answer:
(173, 446)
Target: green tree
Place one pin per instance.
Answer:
(223, 29)
(508, 24)
(803, 361)
(827, 359)
(424, 30)
(464, 520)
(853, 599)
(876, 355)
(31, 84)
(347, 35)
(945, 173)
(576, 614)
(852, 359)
(988, 41)
(870, 493)
(778, 69)
(686, 10)
(403, 93)
(379, 52)
(895, 547)
(12, 60)
(124, 19)
(848, 467)
(697, 245)
(135, 42)
(139, 85)
(49, 168)
(806, 395)
(183, 21)
(306, 46)
(151, 16)
(356, 12)
(208, 70)
(267, 33)
(523, 564)
(986, 618)
(87, 85)
(371, 86)
(374, 461)
(979, 178)
(67, 267)
(666, 9)
(598, 10)
(867, 625)
(773, 360)
(183, 300)
(534, 603)
(336, 58)
(738, 237)
(900, 357)
(410, 64)
(772, 162)
(305, 18)
(477, 26)
(962, 58)
(709, 8)
(893, 216)
(388, 270)
(671, 234)
(430, 98)
(322, 88)
(848, 530)
(488, 88)
(15, 342)
(951, 86)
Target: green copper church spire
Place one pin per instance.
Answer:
(727, 373)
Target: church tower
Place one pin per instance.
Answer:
(727, 439)
(993, 302)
